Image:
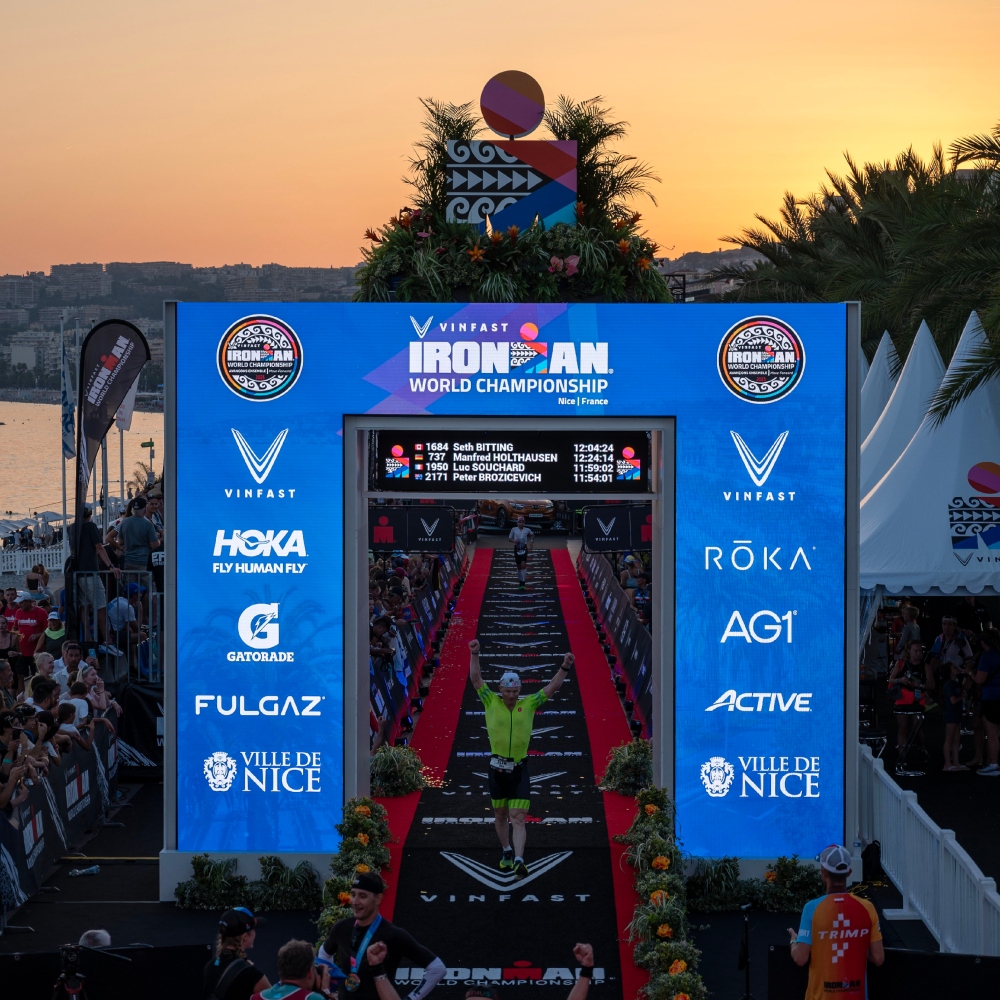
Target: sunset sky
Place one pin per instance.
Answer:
(219, 132)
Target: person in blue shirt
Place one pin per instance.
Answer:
(988, 677)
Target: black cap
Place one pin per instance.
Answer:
(238, 921)
(369, 881)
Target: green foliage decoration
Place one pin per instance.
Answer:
(788, 884)
(215, 886)
(396, 771)
(630, 768)
(418, 256)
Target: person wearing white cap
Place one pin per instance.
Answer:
(522, 538)
(509, 720)
(838, 934)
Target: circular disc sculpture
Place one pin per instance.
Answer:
(512, 104)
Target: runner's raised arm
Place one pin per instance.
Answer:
(561, 674)
(474, 673)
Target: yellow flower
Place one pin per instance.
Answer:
(477, 253)
(660, 863)
(664, 931)
(770, 876)
(678, 967)
(659, 897)
(623, 245)
(362, 811)
(652, 810)
(344, 898)
(644, 263)
(363, 838)
(362, 869)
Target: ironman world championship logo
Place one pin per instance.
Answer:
(761, 359)
(260, 357)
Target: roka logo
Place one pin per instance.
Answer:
(220, 770)
(717, 776)
(759, 469)
(258, 627)
(260, 466)
(607, 528)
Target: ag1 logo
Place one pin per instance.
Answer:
(763, 626)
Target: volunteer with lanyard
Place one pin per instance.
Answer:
(509, 720)
(348, 948)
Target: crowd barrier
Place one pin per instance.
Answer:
(903, 976)
(134, 970)
(137, 661)
(20, 561)
(392, 687)
(940, 884)
(53, 818)
(628, 638)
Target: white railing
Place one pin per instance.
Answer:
(52, 557)
(940, 884)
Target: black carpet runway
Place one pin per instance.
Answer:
(487, 927)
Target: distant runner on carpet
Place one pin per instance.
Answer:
(509, 721)
(522, 538)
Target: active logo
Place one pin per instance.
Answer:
(260, 358)
(763, 777)
(278, 771)
(220, 770)
(761, 702)
(742, 557)
(761, 359)
(975, 521)
(762, 626)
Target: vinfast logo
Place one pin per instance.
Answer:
(761, 702)
(270, 704)
(763, 777)
(498, 880)
(421, 328)
(743, 557)
(758, 469)
(763, 626)
(429, 528)
(260, 466)
(259, 629)
(606, 528)
(279, 771)
(254, 544)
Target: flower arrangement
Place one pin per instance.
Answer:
(603, 256)
(786, 887)
(216, 886)
(630, 768)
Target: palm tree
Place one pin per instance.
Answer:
(911, 239)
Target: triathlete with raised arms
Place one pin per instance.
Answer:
(509, 721)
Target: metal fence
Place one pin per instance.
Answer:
(940, 884)
(140, 653)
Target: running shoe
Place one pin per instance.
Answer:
(507, 861)
(990, 771)
(520, 870)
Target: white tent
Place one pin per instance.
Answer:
(863, 367)
(919, 380)
(932, 524)
(878, 385)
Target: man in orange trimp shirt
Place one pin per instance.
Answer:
(838, 933)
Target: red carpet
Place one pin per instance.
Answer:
(607, 728)
(435, 730)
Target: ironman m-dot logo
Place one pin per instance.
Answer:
(761, 359)
(260, 358)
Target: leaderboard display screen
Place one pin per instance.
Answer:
(527, 461)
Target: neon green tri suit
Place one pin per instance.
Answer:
(510, 734)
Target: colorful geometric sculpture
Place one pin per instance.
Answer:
(512, 182)
(512, 104)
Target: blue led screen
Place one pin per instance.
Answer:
(758, 394)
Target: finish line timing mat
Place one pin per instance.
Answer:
(446, 887)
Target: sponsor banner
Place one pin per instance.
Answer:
(614, 529)
(759, 405)
(52, 819)
(411, 529)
